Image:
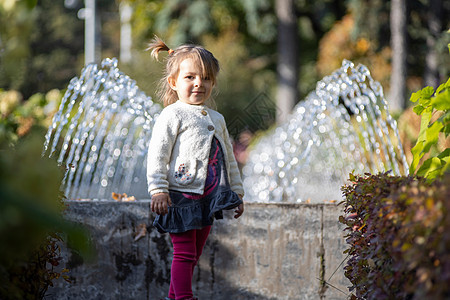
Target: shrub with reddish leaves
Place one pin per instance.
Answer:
(398, 230)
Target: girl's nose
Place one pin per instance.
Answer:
(198, 81)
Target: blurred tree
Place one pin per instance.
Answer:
(253, 26)
(287, 66)
(41, 45)
(108, 18)
(372, 23)
(42, 48)
(398, 20)
(17, 117)
(222, 29)
(31, 206)
(30, 212)
(57, 47)
(42, 42)
(16, 24)
(339, 43)
(435, 28)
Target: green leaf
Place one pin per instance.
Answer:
(352, 177)
(446, 166)
(415, 96)
(432, 135)
(430, 168)
(445, 155)
(425, 102)
(427, 138)
(442, 100)
(423, 95)
(417, 155)
(446, 131)
(418, 109)
(424, 122)
(445, 118)
(443, 86)
(427, 92)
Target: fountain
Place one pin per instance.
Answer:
(108, 123)
(343, 125)
(101, 133)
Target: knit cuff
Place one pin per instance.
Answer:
(157, 191)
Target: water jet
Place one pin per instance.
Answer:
(342, 126)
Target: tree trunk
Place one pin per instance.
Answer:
(431, 76)
(397, 97)
(288, 66)
(90, 32)
(126, 12)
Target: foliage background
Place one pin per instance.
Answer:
(31, 221)
(42, 42)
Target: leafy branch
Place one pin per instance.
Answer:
(430, 103)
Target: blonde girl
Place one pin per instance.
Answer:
(192, 173)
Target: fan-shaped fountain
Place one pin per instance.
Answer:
(108, 123)
(343, 125)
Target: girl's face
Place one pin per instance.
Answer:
(189, 85)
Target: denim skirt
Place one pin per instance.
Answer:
(194, 211)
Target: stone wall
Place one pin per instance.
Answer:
(274, 251)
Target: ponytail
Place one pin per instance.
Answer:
(157, 45)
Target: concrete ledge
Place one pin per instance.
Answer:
(274, 251)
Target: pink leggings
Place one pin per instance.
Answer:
(187, 248)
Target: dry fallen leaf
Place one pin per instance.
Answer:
(141, 231)
(128, 199)
(123, 197)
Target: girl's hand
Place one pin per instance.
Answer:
(239, 210)
(160, 203)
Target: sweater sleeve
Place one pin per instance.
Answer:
(160, 148)
(235, 175)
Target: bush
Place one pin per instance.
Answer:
(399, 236)
(17, 117)
(31, 222)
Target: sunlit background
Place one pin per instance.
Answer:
(272, 55)
(43, 44)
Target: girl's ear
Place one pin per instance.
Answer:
(172, 83)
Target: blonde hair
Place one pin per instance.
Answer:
(204, 59)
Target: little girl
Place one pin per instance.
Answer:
(191, 170)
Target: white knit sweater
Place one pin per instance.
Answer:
(179, 149)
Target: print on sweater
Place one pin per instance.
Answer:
(183, 175)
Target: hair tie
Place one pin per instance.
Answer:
(170, 51)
